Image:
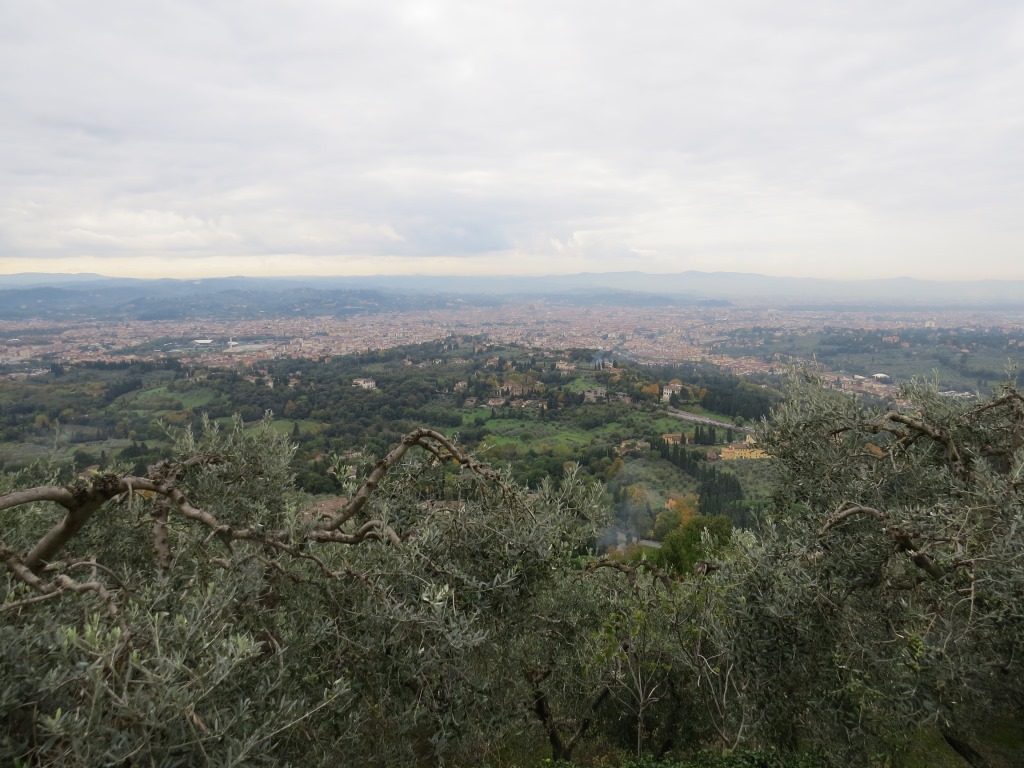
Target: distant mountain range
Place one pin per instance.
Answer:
(69, 296)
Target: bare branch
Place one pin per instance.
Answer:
(370, 484)
(429, 440)
(57, 494)
(904, 540)
(174, 495)
(29, 601)
(587, 721)
(83, 498)
(1013, 397)
(161, 539)
(843, 514)
(60, 583)
(920, 426)
(374, 529)
(631, 570)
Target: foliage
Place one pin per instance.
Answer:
(248, 630)
(700, 539)
(678, 511)
(208, 612)
(719, 493)
(882, 595)
(888, 591)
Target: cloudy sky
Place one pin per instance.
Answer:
(807, 138)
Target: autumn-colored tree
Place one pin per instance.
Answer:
(678, 511)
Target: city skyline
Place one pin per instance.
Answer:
(194, 140)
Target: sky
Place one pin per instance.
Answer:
(814, 138)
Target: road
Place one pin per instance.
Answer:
(687, 416)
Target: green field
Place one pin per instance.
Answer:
(161, 399)
(287, 427)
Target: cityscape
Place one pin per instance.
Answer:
(452, 384)
(649, 336)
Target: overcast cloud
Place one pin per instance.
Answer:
(867, 139)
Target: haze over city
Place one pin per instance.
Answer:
(195, 139)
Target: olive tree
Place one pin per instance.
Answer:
(887, 591)
(205, 613)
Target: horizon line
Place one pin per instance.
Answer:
(531, 276)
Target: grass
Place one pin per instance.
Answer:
(1006, 735)
(158, 398)
(1002, 743)
(18, 454)
(59, 450)
(583, 381)
(196, 398)
(755, 475)
(285, 426)
(149, 394)
(539, 435)
(670, 425)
